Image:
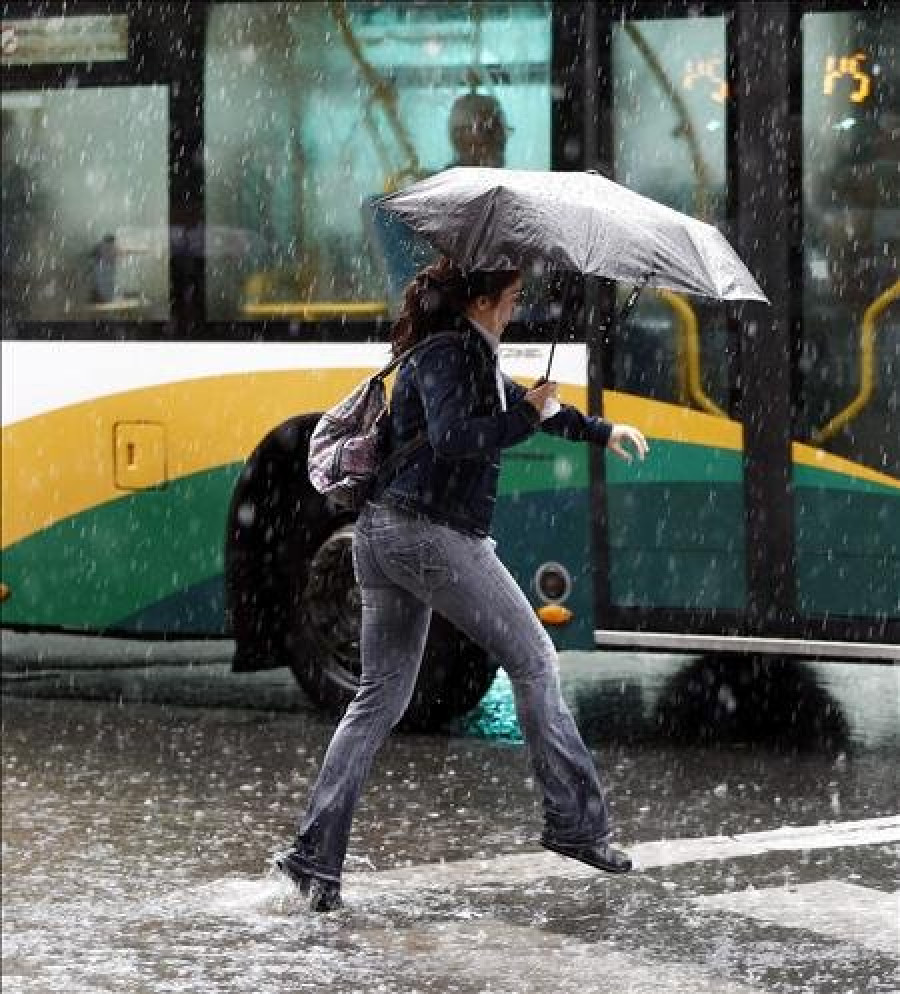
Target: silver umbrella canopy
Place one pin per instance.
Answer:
(572, 221)
(575, 222)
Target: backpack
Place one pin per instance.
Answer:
(347, 447)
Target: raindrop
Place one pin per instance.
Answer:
(246, 514)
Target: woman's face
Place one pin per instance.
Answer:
(495, 313)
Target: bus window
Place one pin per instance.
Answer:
(675, 523)
(847, 457)
(314, 109)
(85, 205)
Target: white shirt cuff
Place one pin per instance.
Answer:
(551, 407)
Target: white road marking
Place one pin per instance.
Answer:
(513, 959)
(491, 955)
(862, 915)
(522, 868)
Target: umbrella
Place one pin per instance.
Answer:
(573, 221)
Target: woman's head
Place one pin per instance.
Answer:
(442, 293)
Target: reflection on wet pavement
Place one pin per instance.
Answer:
(776, 704)
(137, 839)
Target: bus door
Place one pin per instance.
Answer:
(671, 542)
(845, 459)
(767, 514)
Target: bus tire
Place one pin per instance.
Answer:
(292, 598)
(455, 673)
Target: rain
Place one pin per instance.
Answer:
(202, 252)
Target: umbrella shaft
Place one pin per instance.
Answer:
(564, 298)
(550, 360)
(627, 308)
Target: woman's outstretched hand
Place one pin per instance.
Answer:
(626, 433)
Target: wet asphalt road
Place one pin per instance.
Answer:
(145, 791)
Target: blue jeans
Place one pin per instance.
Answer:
(405, 566)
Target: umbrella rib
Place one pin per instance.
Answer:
(481, 234)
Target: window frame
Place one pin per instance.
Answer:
(148, 63)
(181, 70)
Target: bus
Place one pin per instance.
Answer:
(194, 266)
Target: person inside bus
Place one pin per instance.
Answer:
(423, 543)
(478, 131)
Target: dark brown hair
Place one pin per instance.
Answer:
(438, 296)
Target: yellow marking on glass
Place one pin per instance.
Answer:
(839, 66)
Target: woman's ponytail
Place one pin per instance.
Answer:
(432, 302)
(437, 298)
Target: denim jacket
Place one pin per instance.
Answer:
(449, 392)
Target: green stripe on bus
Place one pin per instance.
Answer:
(545, 462)
(812, 477)
(106, 564)
(676, 537)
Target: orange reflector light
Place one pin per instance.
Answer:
(554, 614)
(4, 591)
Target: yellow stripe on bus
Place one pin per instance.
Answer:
(671, 423)
(62, 463)
(808, 455)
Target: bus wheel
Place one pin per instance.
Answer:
(455, 673)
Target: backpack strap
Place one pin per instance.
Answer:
(395, 460)
(430, 340)
(392, 463)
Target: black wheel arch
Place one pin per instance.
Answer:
(274, 516)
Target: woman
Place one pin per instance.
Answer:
(422, 543)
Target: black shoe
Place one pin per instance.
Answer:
(597, 854)
(325, 896)
(293, 867)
